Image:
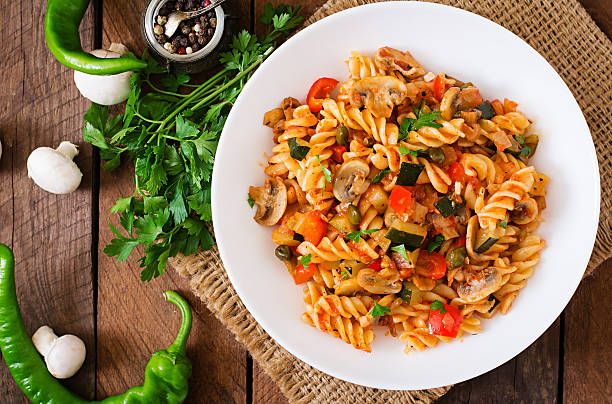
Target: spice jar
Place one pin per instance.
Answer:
(195, 45)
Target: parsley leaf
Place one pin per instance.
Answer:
(437, 242)
(520, 139)
(504, 223)
(401, 249)
(250, 200)
(436, 304)
(326, 173)
(305, 259)
(359, 233)
(422, 120)
(526, 151)
(414, 153)
(380, 175)
(345, 274)
(378, 310)
(405, 293)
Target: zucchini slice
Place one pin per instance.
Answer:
(445, 206)
(342, 224)
(296, 151)
(486, 245)
(409, 173)
(487, 110)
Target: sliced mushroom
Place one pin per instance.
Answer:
(469, 97)
(525, 211)
(392, 59)
(271, 201)
(288, 105)
(381, 94)
(479, 285)
(351, 181)
(348, 287)
(448, 105)
(272, 117)
(373, 282)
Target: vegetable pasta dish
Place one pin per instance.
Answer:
(405, 201)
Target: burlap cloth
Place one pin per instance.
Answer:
(567, 37)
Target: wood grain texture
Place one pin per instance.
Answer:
(587, 354)
(50, 234)
(133, 319)
(601, 12)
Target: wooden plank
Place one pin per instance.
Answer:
(50, 234)
(530, 377)
(133, 319)
(588, 355)
(601, 12)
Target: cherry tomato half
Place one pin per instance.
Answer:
(445, 324)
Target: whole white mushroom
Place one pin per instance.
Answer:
(53, 169)
(63, 355)
(105, 89)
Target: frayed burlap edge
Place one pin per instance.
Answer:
(567, 37)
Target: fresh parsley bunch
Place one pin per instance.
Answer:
(172, 138)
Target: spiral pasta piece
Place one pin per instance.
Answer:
(338, 249)
(506, 197)
(347, 329)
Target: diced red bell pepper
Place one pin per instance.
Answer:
(375, 265)
(400, 198)
(445, 324)
(320, 90)
(431, 265)
(313, 228)
(302, 274)
(457, 174)
(460, 241)
(439, 86)
(337, 152)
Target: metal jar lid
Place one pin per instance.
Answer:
(193, 63)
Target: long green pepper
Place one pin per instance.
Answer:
(62, 20)
(166, 374)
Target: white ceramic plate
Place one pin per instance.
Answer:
(463, 45)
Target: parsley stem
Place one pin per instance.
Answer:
(146, 119)
(159, 90)
(192, 96)
(231, 82)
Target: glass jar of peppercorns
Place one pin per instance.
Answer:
(196, 43)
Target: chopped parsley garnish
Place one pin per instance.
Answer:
(305, 259)
(436, 304)
(345, 274)
(296, 151)
(326, 173)
(380, 175)
(526, 151)
(504, 223)
(401, 250)
(414, 153)
(405, 293)
(378, 310)
(422, 120)
(436, 243)
(250, 200)
(357, 234)
(520, 139)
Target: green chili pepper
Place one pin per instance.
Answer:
(166, 373)
(62, 20)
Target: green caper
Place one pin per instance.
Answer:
(437, 155)
(342, 135)
(456, 257)
(283, 253)
(353, 214)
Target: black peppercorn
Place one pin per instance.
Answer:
(202, 40)
(195, 47)
(210, 32)
(210, 14)
(184, 41)
(161, 39)
(192, 38)
(175, 43)
(190, 5)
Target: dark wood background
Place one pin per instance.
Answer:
(64, 281)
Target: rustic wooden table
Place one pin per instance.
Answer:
(63, 280)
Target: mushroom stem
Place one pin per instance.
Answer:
(68, 149)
